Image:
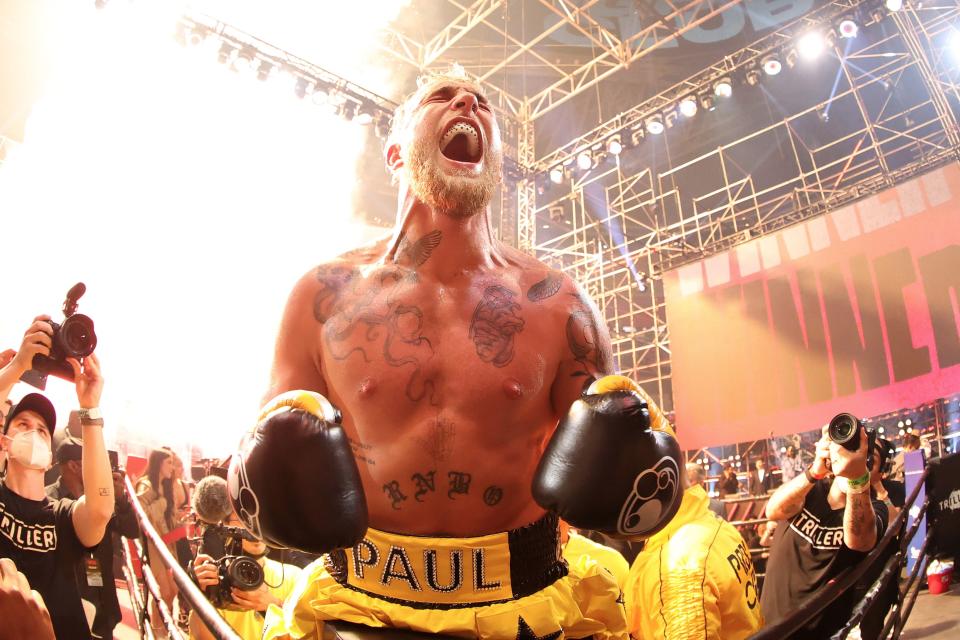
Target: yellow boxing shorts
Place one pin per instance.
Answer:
(503, 585)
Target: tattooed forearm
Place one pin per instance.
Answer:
(788, 499)
(495, 322)
(546, 288)
(859, 528)
(416, 253)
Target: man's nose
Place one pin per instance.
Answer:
(465, 102)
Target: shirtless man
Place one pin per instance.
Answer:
(449, 358)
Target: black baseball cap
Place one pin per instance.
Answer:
(37, 403)
(69, 449)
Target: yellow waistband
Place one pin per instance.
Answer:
(441, 571)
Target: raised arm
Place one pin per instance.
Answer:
(787, 500)
(860, 521)
(95, 507)
(13, 364)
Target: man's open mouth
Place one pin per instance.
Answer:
(461, 142)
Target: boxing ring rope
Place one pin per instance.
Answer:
(820, 600)
(188, 590)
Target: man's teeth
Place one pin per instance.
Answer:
(473, 138)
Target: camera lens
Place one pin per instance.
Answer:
(245, 574)
(844, 429)
(77, 337)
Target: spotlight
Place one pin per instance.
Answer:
(811, 45)
(225, 53)
(707, 102)
(655, 125)
(848, 28)
(771, 65)
(893, 5)
(908, 422)
(900, 424)
(614, 145)
(723, 88)
(264, 71)
(364, 115)
(753, 76)
(243, 63)
(301, 87)
(584, 160)
(823, 114)
(688, 107)
(556, 175)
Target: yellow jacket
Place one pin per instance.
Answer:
(694, 579)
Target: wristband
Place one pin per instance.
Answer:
(859, 485)
(812, 479)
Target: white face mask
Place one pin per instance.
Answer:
(30, 450)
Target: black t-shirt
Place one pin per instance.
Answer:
(38, 535)
(805, 555)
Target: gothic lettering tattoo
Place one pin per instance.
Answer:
(419, 251)
(492, 495)
(545, 288)
(392, 489)
(583, 337)
(459, 483)
(495, 321)
(424, 484)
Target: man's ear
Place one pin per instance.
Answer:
(394, 159)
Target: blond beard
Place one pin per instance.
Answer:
(460, 195)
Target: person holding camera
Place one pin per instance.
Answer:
(831, 523)
(46, 538)
(245, 614)
(95, 574)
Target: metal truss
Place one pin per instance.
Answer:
(617, 231)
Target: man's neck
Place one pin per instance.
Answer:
(435, 243)
(26, 483)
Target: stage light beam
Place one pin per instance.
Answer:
(584, 160)
(556, 175)
(811, 45)
(614, 145)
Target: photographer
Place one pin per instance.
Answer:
(44, 537)
(245, 609)
(95, 575)
(832, 523)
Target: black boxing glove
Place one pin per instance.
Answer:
(294, 482)
(612, 465)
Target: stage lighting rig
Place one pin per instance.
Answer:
(771, 65)
(264, 71)
(556, 175)
(707, 101)
(848, 28)
(614, 145)
(893, 5)
(584, 160)
(752, 76)
(688, 106)
(723, 88)
(655, 125)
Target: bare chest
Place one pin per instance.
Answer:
(393, 342)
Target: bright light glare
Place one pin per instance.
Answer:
(772, 66)
(955, 44)
(655, 126)
(894, 5)
(688, 107)
(189, 199)
(810, 45)
(723, 88)
(584, 160)
(556, 175)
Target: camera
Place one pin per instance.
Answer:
(225, 545)
(845, 430)
(73, 338)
